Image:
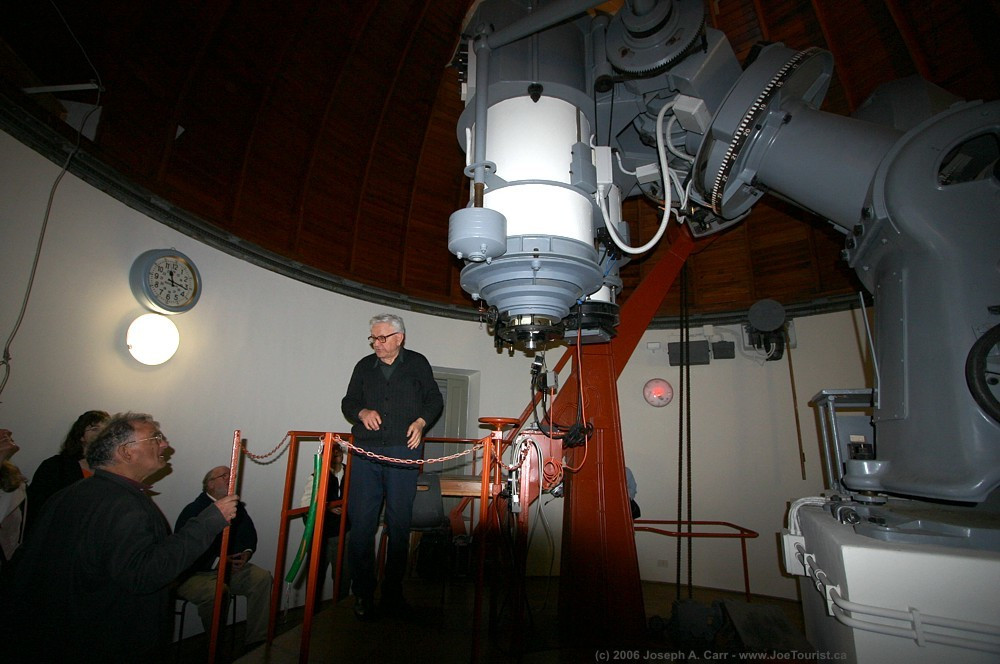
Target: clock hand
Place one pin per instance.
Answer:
(173, 283)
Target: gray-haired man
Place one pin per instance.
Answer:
(92, 580)
(391, 398)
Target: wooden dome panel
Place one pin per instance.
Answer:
(324, 132)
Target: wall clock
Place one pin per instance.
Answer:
(657, 392)
(165, 281)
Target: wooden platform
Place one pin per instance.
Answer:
(461, 485)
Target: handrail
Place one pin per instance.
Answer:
(743, 532)
(464, 441)
(645, 526)
(288, 513)
(220, 577)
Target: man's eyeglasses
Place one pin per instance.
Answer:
(381, 338)
(157, 437)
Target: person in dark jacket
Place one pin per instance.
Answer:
(12, 499)
(245, 578)
(331, 526)
(92, 582)
(391, 399)
(69, 466)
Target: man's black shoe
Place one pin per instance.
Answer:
(364, 608)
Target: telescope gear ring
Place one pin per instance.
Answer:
(645, 44)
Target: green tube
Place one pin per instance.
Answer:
(310, 524)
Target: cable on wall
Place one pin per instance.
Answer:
(6, 359)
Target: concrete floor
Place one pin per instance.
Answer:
(441, 632)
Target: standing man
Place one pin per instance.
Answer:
(391, 399)
(245, 578)
(92, 580)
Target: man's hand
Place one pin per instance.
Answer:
(371, 419)
(227, 505)
(414, 431)
(238, 560)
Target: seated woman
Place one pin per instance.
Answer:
(12, 501)
(59, 471)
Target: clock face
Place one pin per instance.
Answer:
(165, 281)
(172, 282)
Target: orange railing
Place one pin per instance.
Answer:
(289, 512)
(646, 526)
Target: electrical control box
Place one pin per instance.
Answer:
(697, 353)
(647, 173)
(723, 350)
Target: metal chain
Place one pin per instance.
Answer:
(263, 456)
(408, 462)
(524, 455)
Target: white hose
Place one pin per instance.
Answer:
(620, 166)
(664, 168)
(614, 233)
(667, 193)
(670, 144)
(793, 511)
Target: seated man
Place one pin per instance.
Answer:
(245, 578)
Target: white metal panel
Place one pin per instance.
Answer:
(935, 580)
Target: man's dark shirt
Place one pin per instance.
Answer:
(409, 392)
(242, 533)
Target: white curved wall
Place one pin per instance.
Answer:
(265, 354)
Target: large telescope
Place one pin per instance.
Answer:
(569, 112)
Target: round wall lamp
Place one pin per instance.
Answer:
(152, 339)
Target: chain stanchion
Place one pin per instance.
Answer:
(220, 579)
